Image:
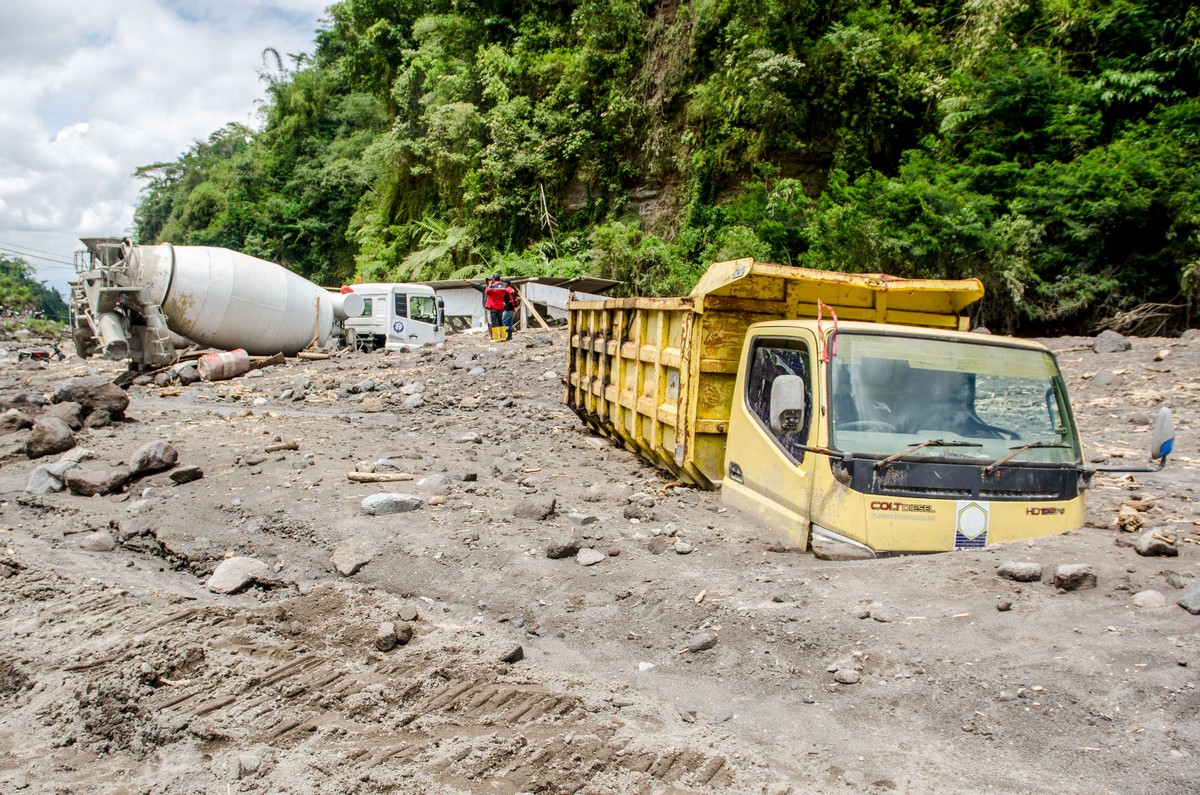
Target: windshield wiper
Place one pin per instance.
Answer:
(1016, 451)
(928, 443)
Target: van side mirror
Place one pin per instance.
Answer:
(788, 404)
(441, 311)
(1162, 438)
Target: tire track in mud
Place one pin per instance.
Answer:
(440, 714)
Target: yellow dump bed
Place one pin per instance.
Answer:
(658, 374)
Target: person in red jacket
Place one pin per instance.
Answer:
(511, 301)
(493, 301)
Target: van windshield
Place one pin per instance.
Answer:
(892, 392)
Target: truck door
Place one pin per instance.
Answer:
(768, 473)
(416, 320)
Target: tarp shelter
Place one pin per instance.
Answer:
(543, 297)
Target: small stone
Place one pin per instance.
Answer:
(1006, 696)
(236, 574)
(373, 404)
(582, 519)
(847, 676)
(1190, 601)
(1019, 571)
(153, 457)
(99, 541)
(702, 642)
(614, 551)
(1128, 519)
(404, 632)
(407, 613)
(414, 401)
(352, 555)
(1149, 599)
(515, 654)
(1004, 605)
(89, 482)
(186, 474)
(683, 548)
(537, 507)
(881, 616)
(1074, 577)
(248, 765)
(589, 557)
(1151, 544)
(563, 548)
(43, 481)
(386, 503)
(385, 637)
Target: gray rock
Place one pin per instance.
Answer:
(90, 482)
(536, 507)
(99, 418)
(1020, 571)
(415, 388)
(702, 642)
(1150, 547)
(582, 519)
(407, 613)
(237, 574)
(15, 420)
(463, 362)
(1190, 601)
(94, 394)
(388, 502)
(404, 632)
(414, 401)
(1074, 577)
(563, 548)
(188, 374)
(69, 412)
(683, 548)
(249, 764)
(513, 655)
(385, 637)
(642, 499)
(186, 474)
(42, 480)
(352, 555)
(99, 541)
(847, 676)
(589, 557)
(153, 457)
(1149, 599)
(1106, 379)
(1109, 341)
(49, 436)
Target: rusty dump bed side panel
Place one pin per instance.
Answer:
(657, 374)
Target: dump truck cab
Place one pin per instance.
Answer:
(853, 412)
(883, 438)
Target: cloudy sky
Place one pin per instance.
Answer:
(92, 89)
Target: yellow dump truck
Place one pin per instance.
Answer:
(854, 412)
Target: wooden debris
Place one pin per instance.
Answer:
(275, 448)
(312, 355)
(378, 477)
(259, 362)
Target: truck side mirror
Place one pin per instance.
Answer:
(788, 404)
(1162, 439)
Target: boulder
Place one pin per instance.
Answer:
(49, 436)
(94, 394)
(89, 482)
(536, 507)
(1190, 601)
(352, 555)
(1151, 545)
(14, 420)
(186, 474)
(68, 411)
(1111, 342)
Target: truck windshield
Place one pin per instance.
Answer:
(892, 392)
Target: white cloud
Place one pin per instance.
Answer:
(92, 90)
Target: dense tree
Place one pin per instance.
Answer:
(21, 295)
(1047, 148)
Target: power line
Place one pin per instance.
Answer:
(20, 253)
(31, 249)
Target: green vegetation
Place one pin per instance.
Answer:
(24, 301)
(1048, 147)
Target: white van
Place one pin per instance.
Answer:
(396, 316)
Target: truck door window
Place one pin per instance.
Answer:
(366, 308)
(401, 305)
(422, 308)
(769, 359)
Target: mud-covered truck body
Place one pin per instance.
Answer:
(852, 411)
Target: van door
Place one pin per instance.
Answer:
(416, 320)
(768, 473)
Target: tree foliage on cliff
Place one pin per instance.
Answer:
(1048, 147)
(23, 296)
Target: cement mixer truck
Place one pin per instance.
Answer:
(854, 412)
(141, 302)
